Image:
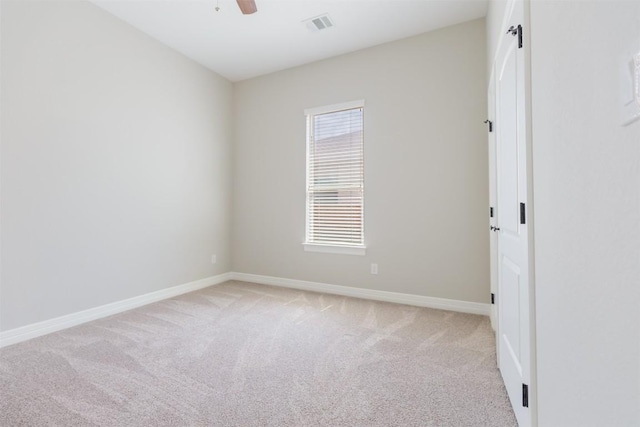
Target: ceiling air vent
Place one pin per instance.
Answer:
(318, 23)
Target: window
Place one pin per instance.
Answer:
(335, 179)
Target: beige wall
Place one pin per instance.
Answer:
(587, 212)
(426, 191)
(115, 163)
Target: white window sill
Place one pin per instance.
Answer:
(331, 249)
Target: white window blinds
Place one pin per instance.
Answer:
(335, 176)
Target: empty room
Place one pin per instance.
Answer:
(320, 213)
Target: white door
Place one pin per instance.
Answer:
(493, 199)
(513, 253)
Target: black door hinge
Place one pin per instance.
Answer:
(493, 298)
(490, 212)
(516, 31)
(490, 124)
(519, 36)
(525, 395)
(523, 217)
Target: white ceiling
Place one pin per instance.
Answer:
(243, 46)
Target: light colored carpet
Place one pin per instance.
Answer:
(241, 354)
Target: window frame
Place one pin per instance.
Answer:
(348, 249)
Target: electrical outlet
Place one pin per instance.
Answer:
(374, 268)
(214, 259)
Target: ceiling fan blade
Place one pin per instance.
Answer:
(247, 6)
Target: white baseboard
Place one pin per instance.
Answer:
(34, 330)
(14, 336)
(409, 299)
